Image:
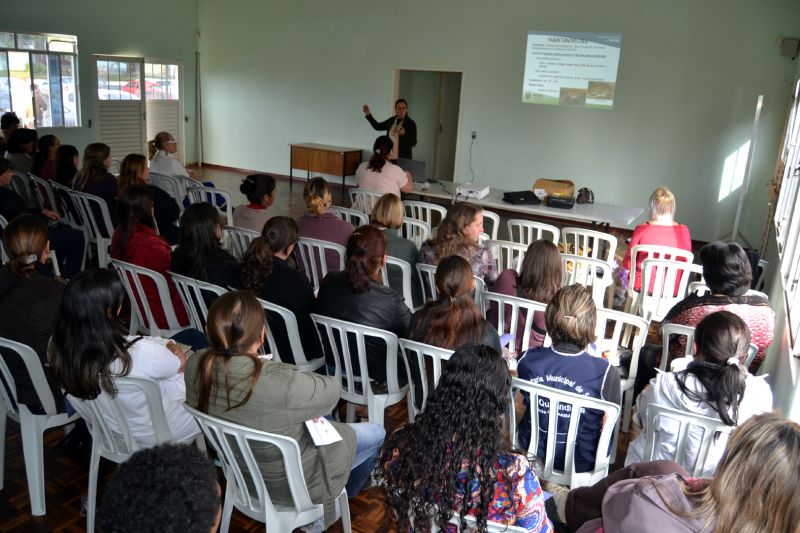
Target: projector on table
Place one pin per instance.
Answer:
(467, 190)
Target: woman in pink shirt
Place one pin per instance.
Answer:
(381, 175)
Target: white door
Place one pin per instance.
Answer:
(120, 109)
(447, 128)
(163, 100)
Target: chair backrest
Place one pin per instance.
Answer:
(191, 291)
(654, 251)
(589, 272)
(363, 200)
(94, 213)
(664, 284)
(171, 185)
(109, 423)
(494, 223)
(346, 342)
(527, 231)
(353, 216)
(314, 258)
(711, 428)
(590, 243)
(70, 214)
(568, 404)
(413, 350)
(507, 254)
(245, 484)
(201, 194)
(33, 366)
(3, 255)
(668, 332)
(405, 268)
(240, 240)
(761, 272)
(44, 193)
(424, 211)
(427, 279)
(293, 333)
(21, 183)
(514, 315)
(415, 230)
(131, 276)
(611, 325)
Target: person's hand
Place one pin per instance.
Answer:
(172, 347)
(192, 174)
(366, 109)
(52, 215)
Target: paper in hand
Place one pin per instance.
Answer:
(322, 432)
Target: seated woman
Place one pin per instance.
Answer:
(65, 167)
(20, 147)
(231, 382)
(713, 385)
(356, 295)
(541, 275)
(267, 273)
(160, 150)
(754, 489)
(728, 274)
(458, 235)
(199, 254)
(135, 241)
(381, 175)
(45, 156)
(94, 178)
(661, 229)
(68, 243)
(388, 216)
(570, 318)
(89, 350)
(455, 458)
(133, 171)
(29, 299)
(319, 222)
(261, 193)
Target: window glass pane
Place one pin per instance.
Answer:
(5, 86)
(21, 96)
(161, 81)
(61, 46)
(117, 80)
(69, 91)
(42, 101)
(27, 41)
(6, 39)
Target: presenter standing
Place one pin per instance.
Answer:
(400, 128)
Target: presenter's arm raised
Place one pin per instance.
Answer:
(382, 126)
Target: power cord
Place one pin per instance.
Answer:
(472, 170)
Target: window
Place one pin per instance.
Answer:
(39, 78)
(120, 80)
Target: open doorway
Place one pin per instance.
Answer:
(434, 102)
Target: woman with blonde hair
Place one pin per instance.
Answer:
(320, 222)
(230, 381)
(134, 171)
(160, 150)
(458, 235)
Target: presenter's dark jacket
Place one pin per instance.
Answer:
(407, 141)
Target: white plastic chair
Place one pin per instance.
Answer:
(192, 292)
(3, 255)
(141, 314)
(424, 211)
(527, 231)
(419, 351)
(96, 222)
(293, 333)
(314, 256)
(246, 490)
(346, 342)
(69, 212)
(668, 332)
(32, 426)
(510, 311)
(363, 200)
(590, 243)
(415, 230)
(589, 272)
(763, 266)
(494, 218)
(201, 194)
(427, 278)
(44, 193)
(650, 251)
(577, 404)
(507, 254)
(171, 185)
(353, 216)
(111, 433)
(705, 428)
(405, 268)
(637, 328)
(669, 281)
(240, 240)
(21, 183)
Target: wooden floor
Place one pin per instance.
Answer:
(67, 478)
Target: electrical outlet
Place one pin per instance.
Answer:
(474, 134)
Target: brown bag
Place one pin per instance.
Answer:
(562, 188)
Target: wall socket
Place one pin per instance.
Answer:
(474, 134)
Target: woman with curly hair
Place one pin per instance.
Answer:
(458, 235)
(455, 458)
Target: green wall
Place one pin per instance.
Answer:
(421, 89)
(145, 28)
(689, 76)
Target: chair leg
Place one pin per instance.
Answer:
(376, 406)
(227, 509)
(344, 510)
(94, 470)
(627, 408)
(412, 413)
(33, 450)
(3, 416)
(351, 413)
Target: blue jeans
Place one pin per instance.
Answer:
(369, 438)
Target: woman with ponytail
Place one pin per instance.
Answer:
(715, 384)
(231, 382)
(357, 295)
(267, 273)
(381, 175)
(319, 222)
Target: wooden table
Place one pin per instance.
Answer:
(323, 158)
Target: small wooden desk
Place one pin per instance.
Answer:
(334, 160)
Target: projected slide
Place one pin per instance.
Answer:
(571, 69)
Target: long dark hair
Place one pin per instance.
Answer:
(453, 319)
(64, 168)
(542, 271)
(93, 168)
(364, 254)
(88, 335)
(42, 151)
(198, 242)
(380, 153)
(278, 235)
(461, 430)
(235, 322)
(134, 207)
(719, 337)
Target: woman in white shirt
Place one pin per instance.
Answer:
(715, 384)
(160, 150)
(89, 350)
(381, 175)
